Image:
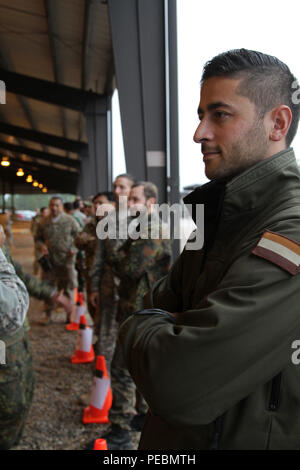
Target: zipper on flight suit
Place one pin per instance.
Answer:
(215, 443)
(275, 393)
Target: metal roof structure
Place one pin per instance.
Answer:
(54, 55)
(60, 61)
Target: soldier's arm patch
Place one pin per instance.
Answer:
(280, 250)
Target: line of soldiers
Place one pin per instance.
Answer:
(117, 274)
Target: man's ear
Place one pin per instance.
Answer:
(151, 201)
(281, 118)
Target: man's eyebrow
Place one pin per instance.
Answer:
(212, 106)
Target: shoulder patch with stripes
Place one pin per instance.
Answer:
(280, 250)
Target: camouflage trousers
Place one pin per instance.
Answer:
(106, 324)
(125, 404)
(63, 277)
(93, 311)
(36, 266)
(106, 329)
(16, 392)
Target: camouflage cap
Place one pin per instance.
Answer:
(88, 203)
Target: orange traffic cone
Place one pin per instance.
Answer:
(75, 317)
(100, 444)
(101, 397)
(84, 352)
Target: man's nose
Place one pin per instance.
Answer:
(203, 132)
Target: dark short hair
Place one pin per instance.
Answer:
(56, 197)
(127, 176)
(108, 194)
(76, 204)
(266, 81)
(150, 189)
(68, 206)
(42, 209)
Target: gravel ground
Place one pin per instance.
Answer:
(54, 421)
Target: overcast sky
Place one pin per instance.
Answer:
(204, 30)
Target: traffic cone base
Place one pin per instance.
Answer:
(82, 357)
(84, 351)
(101, 396)
(72, 326)
(100, 444)
(91, 414)
(75, 317)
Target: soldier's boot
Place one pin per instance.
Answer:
(118, 438)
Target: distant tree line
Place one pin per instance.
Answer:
(32, 201)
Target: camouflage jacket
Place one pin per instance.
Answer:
(41, 290)
(58, 234)
(14, 300)
(88, 246)
(139, 264)
(34, 224)
(100, 265)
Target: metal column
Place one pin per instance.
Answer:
(144, 37)
(139, 31)
(95, 172)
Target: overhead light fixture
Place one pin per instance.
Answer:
(20, 172)
(35, 184)
(41, 185)
(29, 179)
(5, 161)
(45, 190)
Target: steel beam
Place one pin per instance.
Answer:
(44, 90)
(40, 167)
(49, 157)
(42, 137)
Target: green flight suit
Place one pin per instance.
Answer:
(221, 375)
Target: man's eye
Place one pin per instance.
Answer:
(221, 114)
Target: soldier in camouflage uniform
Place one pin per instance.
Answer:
(139, 263)
(15, 394)
(34, 225)
(55, 236)
(104, 282)
(87, 242)
(17, 375)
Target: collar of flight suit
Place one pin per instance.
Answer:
(249, 190)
